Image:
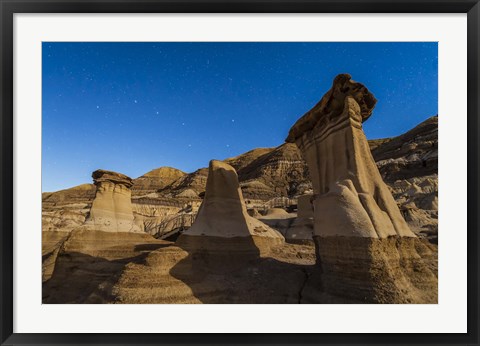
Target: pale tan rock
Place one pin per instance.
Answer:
(366, 250)
(351, 197)
(301, 229)
(112, 207)
(223, 223)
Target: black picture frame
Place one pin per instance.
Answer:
(9, 7)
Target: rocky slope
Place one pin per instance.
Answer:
(189, 186)
(155, 180)
(66, 209)
(411, 155)
(282, 171)
(101, 267)
(264, 173)
(78, 194)
(245, 159)
(407, 163)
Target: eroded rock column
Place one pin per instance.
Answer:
(362, 239)
(111, 209)
(223, 227)
(301, 230)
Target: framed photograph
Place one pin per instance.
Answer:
(239, 172)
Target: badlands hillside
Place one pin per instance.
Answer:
(358, 226)
(407, 163)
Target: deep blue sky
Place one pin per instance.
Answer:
(133, 107)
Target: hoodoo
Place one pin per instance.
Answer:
(223, 225)
(112, 207)
(365, 247)
(91, 258)
(301, 230)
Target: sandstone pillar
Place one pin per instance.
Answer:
(301, 230)
(362, 239)
(223, 227)
(111, 209)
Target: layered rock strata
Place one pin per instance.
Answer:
(362, 239)
(411, 155)
(223, 227)
(188, 187)
(280, 172)
(409, 164)
(170, 275)
(112, 207)
(418, 201)
(155, 180)
(65, 210)
(148, 216)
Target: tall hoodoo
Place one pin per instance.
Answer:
(358, 227)
(351, 197)
(111, 209)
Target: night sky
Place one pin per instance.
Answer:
(133, 107)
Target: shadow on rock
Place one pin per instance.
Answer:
(89, 264)
(229, 276)
(81, 278)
